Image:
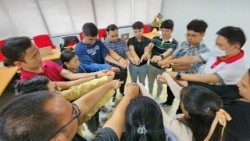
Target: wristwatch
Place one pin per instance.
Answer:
(178, 76)
(96, 76)
(170, 66)
(162, 56)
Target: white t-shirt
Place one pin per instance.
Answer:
(229, 71)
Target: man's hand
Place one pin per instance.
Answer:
(161, 79)
(163, 64)
(123, 63)
(114, 69)
(144, 57)
(102, 73)
(116, 83)
(136, 61)
(172, 74)
(156, 59)
(132, 90)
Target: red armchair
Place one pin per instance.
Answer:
(81, 36)
(1, 54)
(102, 34)
(43, 41)
(147, 28)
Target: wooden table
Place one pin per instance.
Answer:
(56, 55)
(7, 73)
(151, 35)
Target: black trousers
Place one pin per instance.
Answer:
(170, 100)
(122, 75)
(93, 123)
(170, 97)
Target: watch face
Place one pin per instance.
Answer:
(178, 76)
(162, 57)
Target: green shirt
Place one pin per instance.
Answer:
(160, 47)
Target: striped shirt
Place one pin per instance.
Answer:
(160, 47)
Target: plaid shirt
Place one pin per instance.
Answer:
(120, 47)
(185, 50)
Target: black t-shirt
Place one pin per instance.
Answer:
(238, 129)
(226, 92)
(78, 137)
(139, 46)
(106, 134)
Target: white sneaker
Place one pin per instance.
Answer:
(157, 99)
(113, 104)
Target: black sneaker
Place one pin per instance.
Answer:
(113, 103)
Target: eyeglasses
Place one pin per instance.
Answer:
(75, 114)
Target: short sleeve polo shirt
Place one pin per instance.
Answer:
(229, 71)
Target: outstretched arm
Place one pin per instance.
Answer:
(118, 117)
(89, 100)
(205, 78)
(186, 60)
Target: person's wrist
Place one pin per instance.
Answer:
(162, 57)
(96, 75)
(119, 59)
(178, 76)
(169, 65)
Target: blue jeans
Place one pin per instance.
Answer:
(138, 71)
(152, 73)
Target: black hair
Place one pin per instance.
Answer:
(168, 24)
(25, 118)
(143, 111)
(14, 49)
(197, 26)
(137, 25)
(66, 56)
(89, 29)
(201, 105)
(233, 35)
(38, 83)
(111, 27)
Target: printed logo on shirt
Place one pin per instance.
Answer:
(93, 50)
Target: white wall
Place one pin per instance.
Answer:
(64, 17)
(217, 13)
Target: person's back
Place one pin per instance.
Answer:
(236, 103)
(143, 121)
(136, 118)
(238, 128)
